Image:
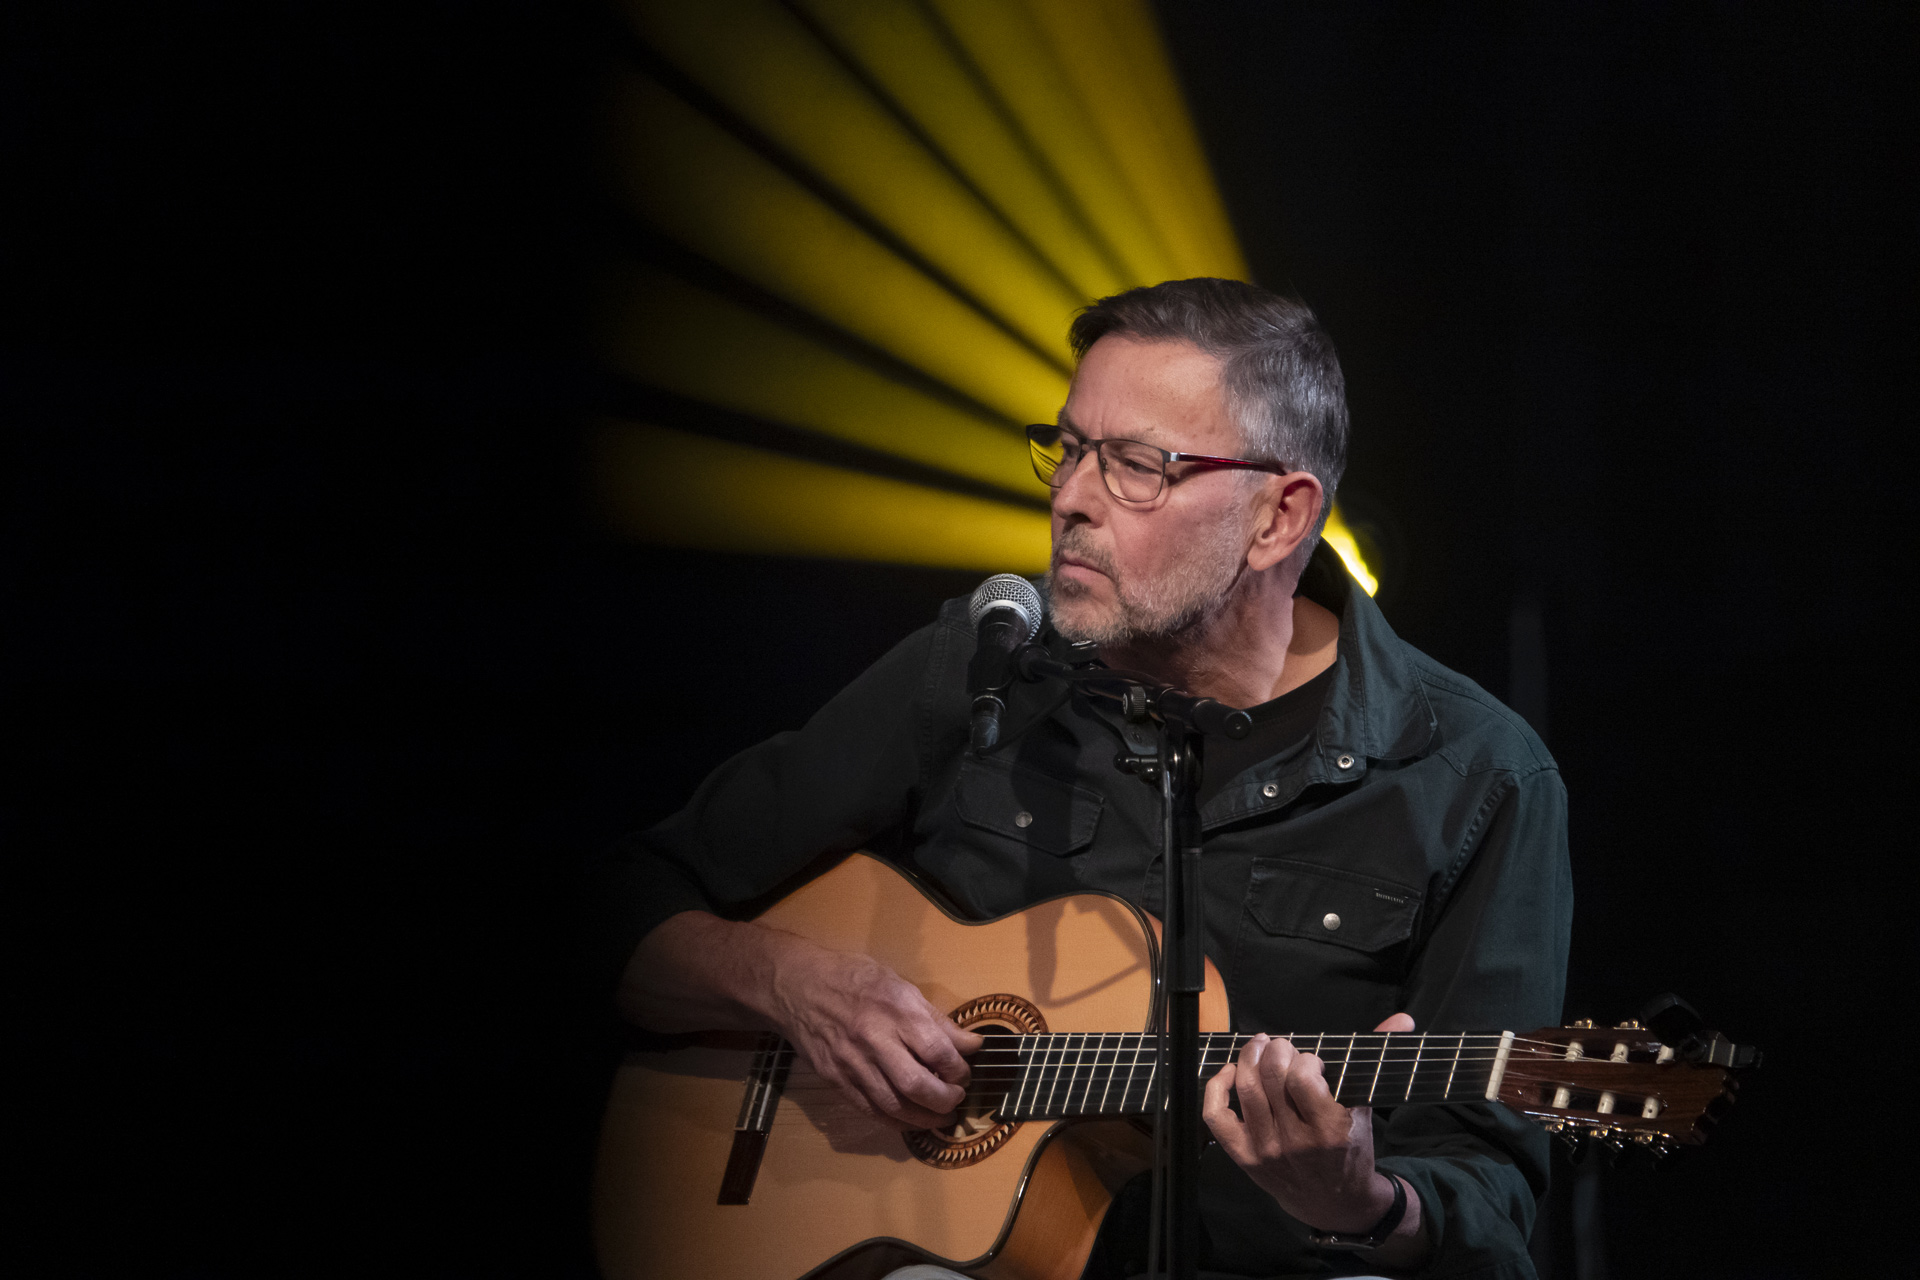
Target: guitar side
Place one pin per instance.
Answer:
(835, 1187)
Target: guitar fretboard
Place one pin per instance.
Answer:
(1053, 1077)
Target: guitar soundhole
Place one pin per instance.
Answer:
(979, 1132)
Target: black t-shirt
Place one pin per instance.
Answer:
(1278, 727)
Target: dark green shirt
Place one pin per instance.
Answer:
(1419, 810)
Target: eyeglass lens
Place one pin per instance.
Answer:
(1132, 470)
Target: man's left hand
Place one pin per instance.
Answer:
(1312, 1155)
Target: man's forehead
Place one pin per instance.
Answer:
(1145, 388)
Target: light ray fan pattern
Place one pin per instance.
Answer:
(854, 232)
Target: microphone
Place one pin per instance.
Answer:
(1006, 612)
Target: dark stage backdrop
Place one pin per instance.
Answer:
(324, 690)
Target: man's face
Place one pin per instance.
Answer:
(1125, 571)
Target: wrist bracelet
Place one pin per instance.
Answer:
(1376, 1235)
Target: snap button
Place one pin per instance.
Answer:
(1271, 790)
(1023, 819)
(1345, 762)
(1330, 920)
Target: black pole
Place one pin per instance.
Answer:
(1185, 720)
(1185, 968)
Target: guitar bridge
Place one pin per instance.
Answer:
(772, 1059)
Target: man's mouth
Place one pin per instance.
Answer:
(1079, 568)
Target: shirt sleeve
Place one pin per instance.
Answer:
(851, 774)
(1496, 958)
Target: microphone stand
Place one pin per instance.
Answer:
(1185, 723)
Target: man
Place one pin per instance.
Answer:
(1388, 847)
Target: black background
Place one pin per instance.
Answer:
(323, 692)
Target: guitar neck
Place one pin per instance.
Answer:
(1057, 1076)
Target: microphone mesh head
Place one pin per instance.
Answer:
(1008, 591)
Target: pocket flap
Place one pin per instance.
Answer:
(1049, 814)
(1303, 900)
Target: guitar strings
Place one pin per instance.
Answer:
(1438, 1043)
(1391, 1063)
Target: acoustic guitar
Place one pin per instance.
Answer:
(729, 1157)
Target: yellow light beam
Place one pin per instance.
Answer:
(675, 489)
(1113, 57)
(671, 334)
(1341, 539)
(1013, 55)
(762, 62)
(704, 189)
(898, 45)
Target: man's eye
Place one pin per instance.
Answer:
(1137, 467)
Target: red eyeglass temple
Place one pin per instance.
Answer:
(1227, 462)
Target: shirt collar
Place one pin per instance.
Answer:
(1376, 708)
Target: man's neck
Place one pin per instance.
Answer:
(1267, 641)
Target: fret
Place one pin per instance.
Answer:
(1092, 1068)
(1056, 1061)
(1378, 1066)
(1029, 1073)
(1459, 1047)
(1037, 1072)
(1133, 1072)
(1093, 1073)
(1012, 1101)
(1153, 1071)
(1207, 1067)
(1062, 1073)
(1352, 1040)
(1113, 1069)
(1073, 1072)
(1414, 1075)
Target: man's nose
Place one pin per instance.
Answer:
(1082, 487)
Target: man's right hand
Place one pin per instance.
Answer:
(862, 1026)
(871, 1032)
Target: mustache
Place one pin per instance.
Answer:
(1078, 542)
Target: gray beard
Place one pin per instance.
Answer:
(1169, 609)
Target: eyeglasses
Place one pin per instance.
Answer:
(1134, 470)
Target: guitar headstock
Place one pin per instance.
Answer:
(1625, 1085)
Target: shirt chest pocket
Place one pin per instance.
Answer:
(1290, 899)
(1049, 814)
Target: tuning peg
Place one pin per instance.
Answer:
(1583, 1024)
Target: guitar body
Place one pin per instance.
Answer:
(837, 1194)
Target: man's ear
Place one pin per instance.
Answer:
(1288, 507)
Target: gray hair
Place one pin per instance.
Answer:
(1281, 375)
